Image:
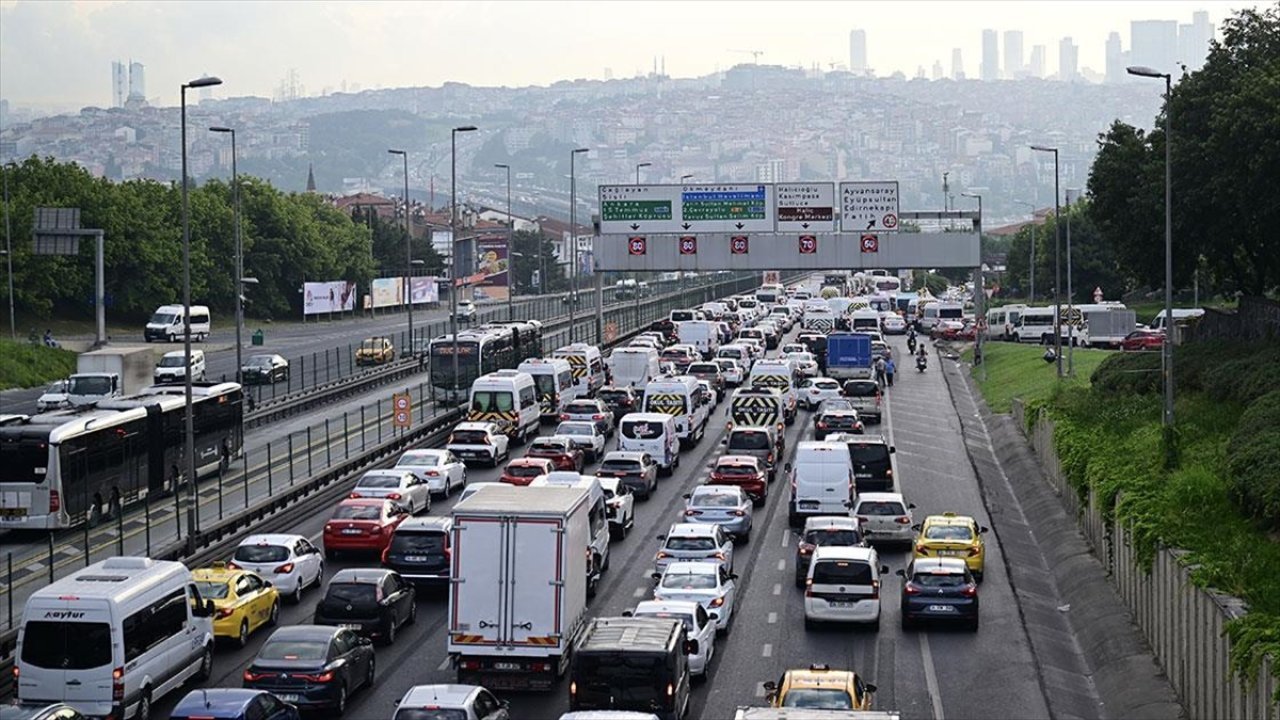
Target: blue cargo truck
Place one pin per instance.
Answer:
(849, 356)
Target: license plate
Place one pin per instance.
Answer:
(807, 504)
(942, 608)
(289, 697)
(953, 552)
(415, 558)
(351, 531)
(838, 604)
(350, 626)
(7, 513)
(506, 666)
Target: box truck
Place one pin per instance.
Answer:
(110, 372)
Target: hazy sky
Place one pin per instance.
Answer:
(59, 52)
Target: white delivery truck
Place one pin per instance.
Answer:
(702, 334)
(110, 372)
(634, 366)
(518, 594)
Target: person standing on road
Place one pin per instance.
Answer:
(880, 371)
(889, 368)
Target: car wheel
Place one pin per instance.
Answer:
(340, 705)
(206, 664)
(978, 576)
(296, 597)
(273, 618)
(371, 676)
(242, 638)
(144, 706)
(413, 613)
(390, 636)
(319, 576)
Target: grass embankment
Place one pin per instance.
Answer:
(1221, 501)
(1019, 371)
(23, 365)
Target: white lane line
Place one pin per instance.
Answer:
(760, 691)
(930, 676)
(638, 593)
(445, 664)
(773, 618)
(777, 588)
(782, 564)
(767, 650)
(786, 540)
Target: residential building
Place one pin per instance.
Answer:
(1154, 44)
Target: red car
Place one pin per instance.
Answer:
(363, 524)
(522, 471)
(560, 451)
(1143, 340)
(743, 471)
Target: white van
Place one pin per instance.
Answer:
(171, 367)
(702, 334)
(587, 364)
(653, 433)
(1178, 314)
(1035, 325)
(599, 516)
(684, 400)
(509, 399)
(1002, 320)
(167, 323)
(634, 366)
(779, 375)
(115, 637)
(821, 481)
(866, 319)
(553, 378)
(935, 313)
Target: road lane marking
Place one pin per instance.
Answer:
(767, 650)
(773, 618)
(785, 540)
(777, 588)
(760, 691)
(445, 664)
(930, 676)
(639, 592)
(782, 564)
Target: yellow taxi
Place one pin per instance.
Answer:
(375, 351)
(952, 535)
(820, 687)
(244, 601)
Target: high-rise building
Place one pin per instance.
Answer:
(1194, 39)
(938, 72)
(1117, 59)
(858, 52)
(1035, 67)
(119, 83)
(774, 170)
(957, 65)
(1068, 60)
(137, 82)
(990, 56)
(1013, 54)
(1154, 44)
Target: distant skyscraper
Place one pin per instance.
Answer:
(1013, 54)
(938, 72)
(1035, 68)
(957, 65)
(858, 52)
(1068, 60)
(1194, 39)
(1117, 59)
(1154, 43)
(137, 82)
(119, 84)
(990, 55)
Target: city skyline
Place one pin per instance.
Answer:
(325, 44)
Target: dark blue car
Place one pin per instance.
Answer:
(939, 590)
(233, 704)
(312, 666)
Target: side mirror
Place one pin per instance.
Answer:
(893, 449)
(884, 570)
(733, 576)
(871, 688)
(982, 528)
(662, 537)
(771, 686)
(686, 496)
(627, 613)
(691, 647)
(911, 506)
(916, 527)
(364, 641)
(656, 576)
(267, 583)
(786, 467)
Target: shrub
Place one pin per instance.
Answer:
(1128, 374)
(1253, 458)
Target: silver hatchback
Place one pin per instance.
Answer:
(726, 506)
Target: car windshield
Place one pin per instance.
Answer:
(469, 437)
(357, 512)
(689, 581)
(938, 580)
(826, 384)
(686, 619)
(717, 500)
(379, 481)
(57, 386)
(834, 404)
(581, 408)
(171, 361)
(212, 590)
(690, 543)
(749, 441)
(948, 532)
(371, 345)
(491, 401)
(823, 698)
(418, 460)
(704, 368)
(874, 456)
(259, 361)
(641, 429)
(548, 446)
(524, 471)
(613, 396)
(357, 595)
(880, 508)
(626, 466)
(261, 553)
(832, 536)
(294, 649)
(726, 365)
(841, 572)
(861, 389)
(571, 428)
(417, 543)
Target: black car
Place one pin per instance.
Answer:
(264, 370)
(620, 400)
(311, 666)
(940, 589)
(419, 551)
(836, 415)
(374, 602)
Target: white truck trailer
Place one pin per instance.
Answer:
(518, 592)
(110, 372)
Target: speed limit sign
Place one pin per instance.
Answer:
(402, 413)
(808, 244)
(738, 245)
(637, 246)
(688, 245)
(870, 243)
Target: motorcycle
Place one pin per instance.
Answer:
(911, 345)
(921, 363)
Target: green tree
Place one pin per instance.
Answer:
(534, 251)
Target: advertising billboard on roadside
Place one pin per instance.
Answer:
(425, 290)
(388, 292)
(328, 297)
(492, 267)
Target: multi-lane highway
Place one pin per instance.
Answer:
(932, 673)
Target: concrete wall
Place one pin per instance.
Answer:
(1184, 624)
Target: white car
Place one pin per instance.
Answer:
(55, 396)
(620, 504)
(589, 410)
(732, 371)
(480, 442)
(885, 517)
(710, 390)
(803, 362)
(289, 562)
(584, 434)
(843, 585)
(698, 625)
(172, 367)
(466, 311)
(456, 702)
(894, 325)
(813, 392)
(399, 484)
(688, 542)
(789, 348)
(441, 469)
(709, 584)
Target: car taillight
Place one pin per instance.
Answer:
(969, 591)
(328, 529)
(224, 613)
(355, 496)
(55, 501)
(973, 552)
(921, 548)
(877, 399)
(902, 520)
(324, 677)
(433, 473)
(911, 589)
(564, 416)
(251, 676)
(822, 424)
(889, 472)
(806, 548)
(597, 417)
(716, 602)
(739, 513)
(117, 683)
(375, 530)
(875, 589)
(691, 513)
(662, 555)
(393, 496)
(808, 587)
(284, 569)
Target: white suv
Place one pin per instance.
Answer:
(479, 442)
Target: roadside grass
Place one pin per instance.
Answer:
(23, 365)
(1019, 371)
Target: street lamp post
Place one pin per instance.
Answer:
(408, 244)
(239, 260)
(638, 166)
(1057, 259)
(190, 445)
(686, 177)
(453, 247)
(1071, 298)
(1031, 264)
(1167, 347)
(511, 228)
(979, 294)
(8, 253)
(573, 239)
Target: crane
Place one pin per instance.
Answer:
(755, 54)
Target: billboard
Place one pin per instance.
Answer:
(328, 297)
(492, 263)
(388, 292)
(425, 290)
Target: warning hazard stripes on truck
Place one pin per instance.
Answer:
(504, 420)
(824, 325)
(668, 403)
(755, 407)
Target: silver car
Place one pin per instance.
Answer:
(726, 506)
(592, 411)
(694, 541)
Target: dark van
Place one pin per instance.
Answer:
(632, 663)
(872, 458)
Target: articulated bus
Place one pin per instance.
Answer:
(486, 349)
(65, 468)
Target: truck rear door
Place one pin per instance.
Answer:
(535, 567)
(479, 565)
